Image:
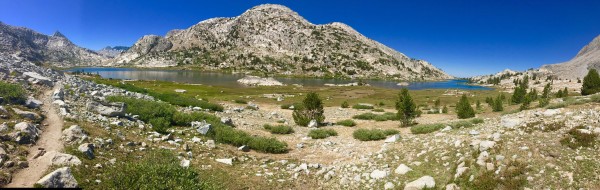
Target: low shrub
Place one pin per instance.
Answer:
(160, 124)
(362, 107)
(159, 169)
(372, 134)
(240, 101)
(228, 135)
(379, 110)
(371, 116)
(186, 119)
(345, 104)
(184, 101)
(577, 138)
(476, 121)
(347, 123)
(426, 128)
(461, 124)
(12, 93)
(278, 129)
(145, 109)
(321, 133)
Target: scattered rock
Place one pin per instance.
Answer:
(73, 133)
(421, 183)
(258, 81)
(33, 103)
(392, 138)
(227, 161)
(402, 169)
(388, 185)
(185, 163)
(180, 90)
(244, 148)
(26, 114)
(61, 159)
(378, 174)
(60, 178)
(87, 149)
(313, 123)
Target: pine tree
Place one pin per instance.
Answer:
(591, 83)
(464, 109)
(520, 90)
(545, 98)
(407, 109)
(497, 107)
(445, 109)
(312, 108)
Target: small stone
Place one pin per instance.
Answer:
(227, 161)
(421, 183)
(402, 169)
(388, 185)
(378, 174)
(60, 178)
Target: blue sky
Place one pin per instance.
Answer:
(464, 38)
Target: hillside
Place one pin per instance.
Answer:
(274, 39)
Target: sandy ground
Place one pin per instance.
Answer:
(48, 141)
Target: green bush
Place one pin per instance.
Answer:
(426, 128)
(577, 138)
(373, 134)
(228, 135)
(240, 101)
(278, 129)
(312, 108)
(184, 101)
(362, 107)
(321, 133)
(379, 110)
(347, 123)
(345, 104)
(371, 116)
(12, 93)
(160, 124)
(145, 109)
(156, 170)
(186, 119)
(464, 109)
(461, 124)
(591, 83)
(476, 121)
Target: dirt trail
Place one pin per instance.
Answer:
(49, 141)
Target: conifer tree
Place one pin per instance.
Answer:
(407, 109)
(464, 109)
(591, 83)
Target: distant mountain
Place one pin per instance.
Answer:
(274, 39)
(112, 52)
(587, 58)
(56, 50)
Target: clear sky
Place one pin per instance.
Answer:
(464, 38)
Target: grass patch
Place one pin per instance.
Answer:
(347, 123)
(388, 116)
(12, 93)
(157, 170)
(461, 124)
(513, 177)
(287, 106)
(362, 107)
(373, 134)
(476, 121)
(321, 133)
(426, 128)
(278, 129)
(240, 101)
(379, 110)
(577, 138)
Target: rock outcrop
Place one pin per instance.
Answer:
(60, 178)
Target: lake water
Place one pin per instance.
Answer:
(223, 79)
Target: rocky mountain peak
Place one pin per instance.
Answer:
(58, 34)
(593, 46)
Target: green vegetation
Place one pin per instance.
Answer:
(321, 133)
(426, 128)
(520, 91)
(312, 108)
(464, 109)
(591, 83)
(156, 170)
(577, 138)
(345, 104)
(228, 135)
(362, 107)
(279, 129)
(514, 177)
(407, 110)
(347, 123)
(288, 106)
(170, 97)
(373, 134)
(476, 121)
(162, 115)
(562, 93)
(240, 101)
(12, 93)
(497, 105)
(388, 116)
(544, 100)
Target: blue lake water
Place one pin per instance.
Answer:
(224, 79)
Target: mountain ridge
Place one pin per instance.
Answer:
(274, 39)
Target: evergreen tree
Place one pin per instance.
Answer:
(545, 98)
(312, 108)
(464, 109)
(437, 103)
(445, 109)
(520, 90)
(591, 83)
(497, 107)
(407, 109)
(478, 105)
